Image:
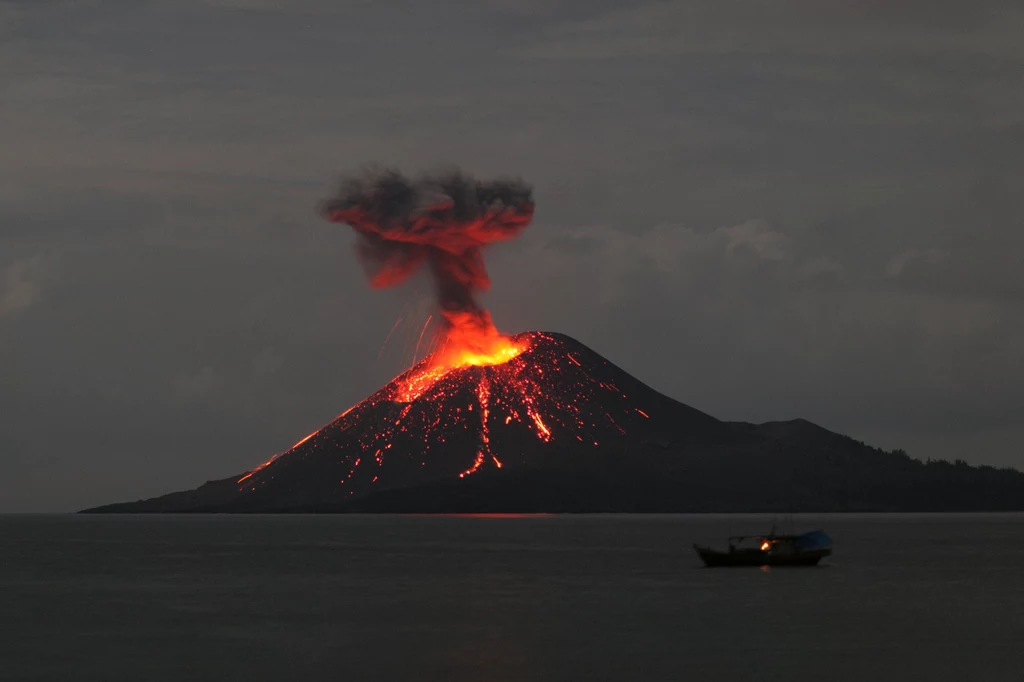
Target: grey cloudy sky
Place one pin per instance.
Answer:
(763, 209)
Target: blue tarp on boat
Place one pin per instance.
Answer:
(816, 539)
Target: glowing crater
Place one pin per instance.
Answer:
(495, 351)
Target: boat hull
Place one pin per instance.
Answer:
(714, 558)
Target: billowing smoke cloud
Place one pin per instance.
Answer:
(440, 221)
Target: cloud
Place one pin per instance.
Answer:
(792, 27)
(238, 387)
(759, 238)
(198, 387)
(673, 249)
(820, 267)
(899, 263)
(21, 285)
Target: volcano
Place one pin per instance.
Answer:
(538, 422)
(547, 425)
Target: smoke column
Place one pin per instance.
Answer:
(437, 221)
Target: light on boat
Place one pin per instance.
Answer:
(765, 545)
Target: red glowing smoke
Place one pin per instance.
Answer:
(442, 221)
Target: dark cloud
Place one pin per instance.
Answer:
(796, 209)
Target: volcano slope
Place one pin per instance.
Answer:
(560, 429)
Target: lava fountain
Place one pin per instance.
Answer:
(441, 222)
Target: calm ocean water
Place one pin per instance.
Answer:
(138, 598)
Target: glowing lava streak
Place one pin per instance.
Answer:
(542, 430)
(271, 460)
(416, 353)
(388, 337)
(483, 393)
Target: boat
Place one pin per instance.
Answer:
(806, 549)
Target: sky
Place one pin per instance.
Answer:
(766, 210)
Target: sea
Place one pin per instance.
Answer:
(496, 598)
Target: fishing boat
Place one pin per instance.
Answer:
(806, 549)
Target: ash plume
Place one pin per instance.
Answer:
(440, 221)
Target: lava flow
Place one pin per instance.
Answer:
(441, 419)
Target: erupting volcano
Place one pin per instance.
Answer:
(537, 421)
(482, 400)
(443, 222)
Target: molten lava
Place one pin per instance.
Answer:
(455, 353)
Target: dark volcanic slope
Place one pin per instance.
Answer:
(559, 428)
(558, 406)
